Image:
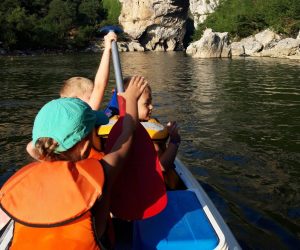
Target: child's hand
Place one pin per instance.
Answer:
(135, 88)
(111, 36)
(172, 128)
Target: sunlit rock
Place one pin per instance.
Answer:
(200, 9)
(157, 25)
(246, 46)
(286, 48)
(267, 38)
(211, 44)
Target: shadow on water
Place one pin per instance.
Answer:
(239, 120)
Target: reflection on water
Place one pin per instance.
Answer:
(239, 120)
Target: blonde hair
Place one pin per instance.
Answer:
(76, 87)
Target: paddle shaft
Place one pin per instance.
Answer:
(117, 67)
(118, 76)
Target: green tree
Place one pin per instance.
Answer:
(57, 23)
(113, 9)
(90, 11)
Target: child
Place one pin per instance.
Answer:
(54, 201)
(86, 90)
(166, 152)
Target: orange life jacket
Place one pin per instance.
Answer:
(51, 202)
(95, 154)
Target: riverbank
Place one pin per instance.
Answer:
(263, 44)
(211, 45)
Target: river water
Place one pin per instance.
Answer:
(239, 121)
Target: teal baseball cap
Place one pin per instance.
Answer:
(67, 121)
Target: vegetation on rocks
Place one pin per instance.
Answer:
(242, 18)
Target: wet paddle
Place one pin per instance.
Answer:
(139, 192)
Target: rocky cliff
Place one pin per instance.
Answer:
(156, 24)
(160, 25)
(200, 9)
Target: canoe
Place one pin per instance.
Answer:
(190, 221)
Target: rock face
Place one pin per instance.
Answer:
(267, 44)
(211, 44)
(156, 24)
(286, 48)
(254, 44)
(200, 9)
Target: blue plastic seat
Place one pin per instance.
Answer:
(181, 225)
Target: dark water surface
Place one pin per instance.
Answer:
(239, 120)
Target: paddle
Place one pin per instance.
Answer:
(139, 192)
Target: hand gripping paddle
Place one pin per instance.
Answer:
(139, 191)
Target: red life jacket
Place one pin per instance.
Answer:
(51, 202)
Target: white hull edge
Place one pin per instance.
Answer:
(227, 239)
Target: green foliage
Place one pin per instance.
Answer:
(54, 24)
(83, 36)
(113, 8)
(242, 18)
(89, 11)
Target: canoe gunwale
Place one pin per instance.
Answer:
(226, 238)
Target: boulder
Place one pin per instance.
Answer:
(267, 38)
(135, 46)
(247, 46)
(211, 44)
(252, 45)
(286, 48)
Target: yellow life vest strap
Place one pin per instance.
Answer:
(155, 129)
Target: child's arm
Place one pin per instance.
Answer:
(114, 160)
(102, 75)
(168, 154)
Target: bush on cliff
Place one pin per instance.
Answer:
(242, 18)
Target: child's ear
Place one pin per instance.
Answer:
(85, 147)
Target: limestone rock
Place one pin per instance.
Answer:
(200, 9)
(298, 37)
(285, 48)
(156, 24)
(135, 46)
(246, 46)
(211, 44)
(252, 45)
(123, 46)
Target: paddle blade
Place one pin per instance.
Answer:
(112, 107)
(114, 104)
(139, 191)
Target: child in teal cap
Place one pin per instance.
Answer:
(62, 135)
(84, 89)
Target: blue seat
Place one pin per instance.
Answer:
(181, 225)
